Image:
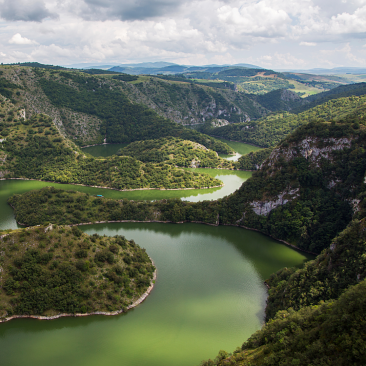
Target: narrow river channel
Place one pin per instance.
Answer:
(209, 294)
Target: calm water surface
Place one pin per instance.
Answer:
(240, 149)
(103, 150)
(209, 293)
(110, 149)
(232, 180)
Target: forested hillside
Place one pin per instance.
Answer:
(88, 108)
(305, 192)
(49, 270)
(93, 108)
(310, 192)
(35, 149)
(269, 131)
(175, 151)
(331, 333)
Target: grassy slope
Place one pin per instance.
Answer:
(47, 271)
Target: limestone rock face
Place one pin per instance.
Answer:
(265, 207)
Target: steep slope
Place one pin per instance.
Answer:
(89, 109)
(342, 91)
(338, 267)
(269, 131)
(305, 191)
(332, 333)
(188, 103)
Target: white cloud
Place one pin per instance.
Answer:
(24, 10)
(257, 19)
(193, 31)
(309, 44)
(18, 39)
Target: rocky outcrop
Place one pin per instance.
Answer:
(265, 207)
(311, 148)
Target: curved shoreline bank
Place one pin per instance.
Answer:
(115, 189)
(193, 222)
(242, 142)
(186, 222)
(107, 313)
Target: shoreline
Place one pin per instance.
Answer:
(193, 222)
(115, 189)
(185, 222)
(141, 299)
(242, 142)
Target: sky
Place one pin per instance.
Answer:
(279, 34)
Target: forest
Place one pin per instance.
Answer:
(35, 150)
(320, 318)
(123, 121)
(271, 130)
(312, 216)
(59, 269)
(177, 152)
(308, 190)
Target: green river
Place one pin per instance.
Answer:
(209, 294)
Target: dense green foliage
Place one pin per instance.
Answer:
(319, 170)
(123, 121)
(194, 102)
(6, 87)
(309, 220)
(39, 65)
(253, 160)
(342, 91)
(98, 72)
(301, 329)
(71, 207)
(332, 333)
(175, 151)
(318, 206)
(271, 130)
(342, 265)
(279, 100)
(125, 77)
(47, 271)
(318, 192)
(35, 149)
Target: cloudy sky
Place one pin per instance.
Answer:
(281, 34)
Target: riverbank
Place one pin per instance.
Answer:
(115, 189)
(194, 222)
(111, 313)
(241, 142)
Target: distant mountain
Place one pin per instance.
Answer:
(149, 65)
(86, 66)
(166, 68)
(336, 70)
(249, 66)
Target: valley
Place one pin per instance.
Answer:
(301, 182)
